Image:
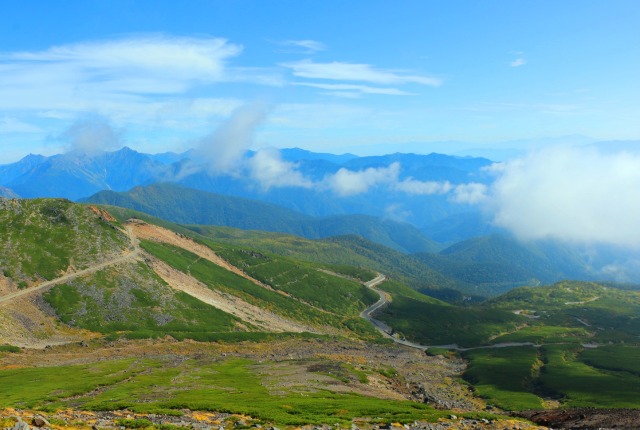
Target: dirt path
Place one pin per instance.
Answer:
(593, 299)
(132, 254)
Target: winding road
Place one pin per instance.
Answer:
(387, 331)
(134, 252)
(384, 300)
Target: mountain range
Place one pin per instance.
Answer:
(77, 175)
(386, 207)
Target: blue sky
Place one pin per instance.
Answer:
(359, 76)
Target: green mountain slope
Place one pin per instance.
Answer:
(131, 300)
(188, 206)
(121, 292)
(349, 250)
(495, 264)
(43, 238)
(576, 343)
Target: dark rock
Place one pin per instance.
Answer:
(40, 421)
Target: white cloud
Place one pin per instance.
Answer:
(269, 169)
(412, 186)
(471, 193)
(134, 78)
(519, 59)
(576, 194)
(138, 65)
(13, 125)
(339, 71)
(348, 183)
(91, 135)
(355, 89)
(222, 150)
(308, 46)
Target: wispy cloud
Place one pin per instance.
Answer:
(356, 89)
(137, 65)
(339, 71)
(305, 46)
(269, 170)
(131, 75)
(91, 135)
(13, 125)
(223, 149)
(415, 187)
(348, 182)
(471, 193)
(519, 59)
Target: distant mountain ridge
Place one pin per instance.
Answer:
(498, 263)
(7, 193)
(189, 206)
(75, 175)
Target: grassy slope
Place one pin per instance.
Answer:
(332, 253)
(336, 301)
(131, 300)
(161, 385)
(568, 372)
(608, 376)
(35, 239)
(434, 322)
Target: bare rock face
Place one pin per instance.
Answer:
(21, 425)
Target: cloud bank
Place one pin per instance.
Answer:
(269, 170)
(580, 195)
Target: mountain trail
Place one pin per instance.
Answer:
(24, 320)
(134, 252)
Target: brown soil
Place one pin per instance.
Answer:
(586, 418)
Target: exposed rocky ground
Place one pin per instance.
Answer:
(586, 418)
(13, 419)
